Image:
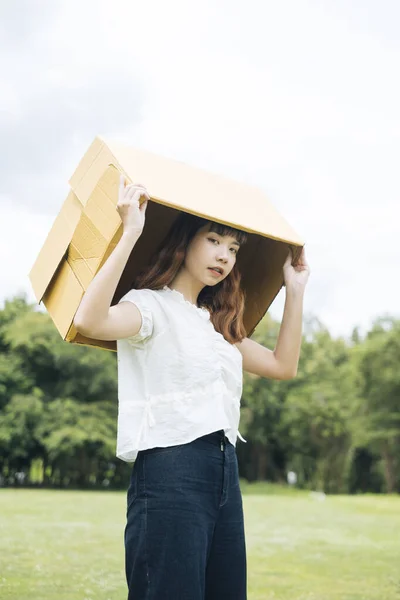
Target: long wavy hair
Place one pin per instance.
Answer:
(225, 300)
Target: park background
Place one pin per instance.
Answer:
(300, 99)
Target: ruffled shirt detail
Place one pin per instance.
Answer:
(178, 378)
(146, 328)
(203, 312)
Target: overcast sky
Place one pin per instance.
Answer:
(298, 97)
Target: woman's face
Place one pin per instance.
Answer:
(209, 249)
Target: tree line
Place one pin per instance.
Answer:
(336, 425)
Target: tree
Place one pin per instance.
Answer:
(379, 416)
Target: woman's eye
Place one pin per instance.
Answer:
(214, 240)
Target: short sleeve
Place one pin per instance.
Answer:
(140, 298)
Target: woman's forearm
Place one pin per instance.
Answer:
(287, 350)
(97, 299)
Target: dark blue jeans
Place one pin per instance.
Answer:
(184, 536)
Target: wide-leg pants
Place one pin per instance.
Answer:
(184, 536)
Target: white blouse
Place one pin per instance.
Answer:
(178, 378)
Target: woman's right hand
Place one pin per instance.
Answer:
(131, 212)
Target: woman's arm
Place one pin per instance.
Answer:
(95, 317)
(96, 301)
(282, 362)
(287, 350)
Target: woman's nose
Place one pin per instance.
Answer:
(222, 255)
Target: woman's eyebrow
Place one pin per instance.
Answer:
(234, 239)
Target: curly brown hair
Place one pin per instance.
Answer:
(225, 301)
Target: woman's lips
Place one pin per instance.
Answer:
(215, 273)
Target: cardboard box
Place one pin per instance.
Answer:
(88, 228)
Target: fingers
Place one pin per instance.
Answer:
(121, 189)
(302, 257)
(289, 257)
(136, 195)
(132, 191)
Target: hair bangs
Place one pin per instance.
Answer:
(221, 229)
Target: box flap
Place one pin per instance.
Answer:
(55, 245)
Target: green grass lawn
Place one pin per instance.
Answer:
(69, 545)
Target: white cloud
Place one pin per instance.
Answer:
(22, 234)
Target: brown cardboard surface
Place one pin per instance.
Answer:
(88, 228)
(185, 188)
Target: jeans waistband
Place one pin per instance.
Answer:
(215, 436)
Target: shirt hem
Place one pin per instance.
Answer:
(129, 454)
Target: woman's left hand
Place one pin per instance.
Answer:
(297, 276)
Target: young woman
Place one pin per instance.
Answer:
(182, 348)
